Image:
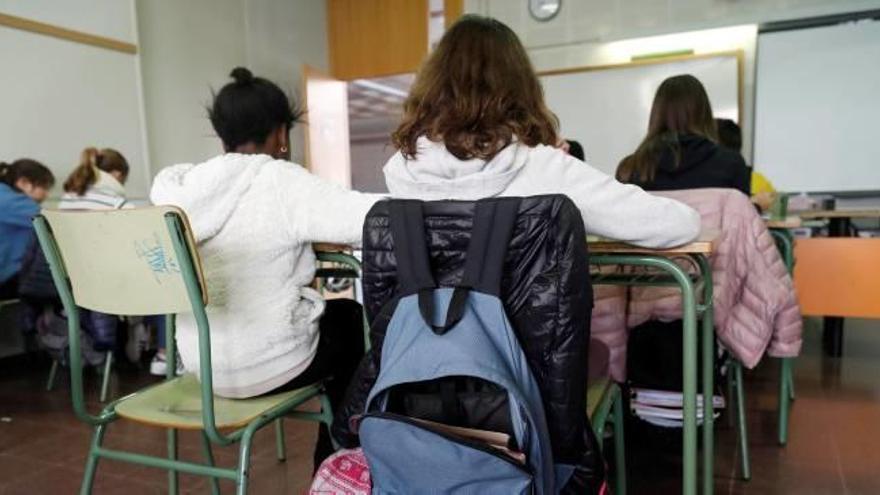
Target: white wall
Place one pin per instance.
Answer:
(189, 47)
(108, 18)
(598, 32)
(67, 95)
(590, 21)
(282, 36)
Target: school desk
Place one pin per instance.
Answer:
(839, 225)
(658, 267)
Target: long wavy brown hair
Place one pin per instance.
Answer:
(681, 106)
(475, 92)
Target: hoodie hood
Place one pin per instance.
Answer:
(208, 192)
(436, 174)
(694, 150)
(107, 184)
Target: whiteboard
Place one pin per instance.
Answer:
(58, 97)
(607, 110)
(817, 108)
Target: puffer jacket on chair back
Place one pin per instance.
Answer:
(546, 294)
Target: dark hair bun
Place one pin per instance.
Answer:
(242, 76)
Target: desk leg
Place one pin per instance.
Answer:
(708, 324)
(832, 335)
(689, 372)
(689, 365)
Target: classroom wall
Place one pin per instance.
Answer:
(109, 18)
(280, 37)
(189, 48)
(75, 93)
(598, 32)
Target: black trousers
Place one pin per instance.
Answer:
(9, 288)
(340, 348)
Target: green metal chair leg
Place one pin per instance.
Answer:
(619, 447)
(53, 372)
(279, 440)
(788, 364)
(209, 456)
(741, 419)
(327, 418)
(105, 380)
(92, 461)
(730, 391)
(172, 455)
(244, 458)
(786, 394)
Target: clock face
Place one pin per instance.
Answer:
(544, 10)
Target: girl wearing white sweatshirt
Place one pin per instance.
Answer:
(475, 125)
(255, 216)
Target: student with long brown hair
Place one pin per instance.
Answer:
(680, 150)
(475, 125)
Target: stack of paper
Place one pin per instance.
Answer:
(664, 408)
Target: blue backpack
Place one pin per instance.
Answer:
(455, 408)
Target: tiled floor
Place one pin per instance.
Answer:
(833, 446)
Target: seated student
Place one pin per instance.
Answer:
(23, 186)
(98, 183)
(475, 125)
(255, 216)
(730, 136)
(681, 148)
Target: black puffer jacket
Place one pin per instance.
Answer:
(548, 298)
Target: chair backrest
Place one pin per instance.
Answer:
(126, 262)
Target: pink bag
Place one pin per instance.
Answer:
(343, 473)
(346, 473)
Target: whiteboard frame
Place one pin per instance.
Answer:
(738, 54)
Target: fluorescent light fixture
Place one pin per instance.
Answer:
(703, 41)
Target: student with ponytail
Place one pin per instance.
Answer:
(98, 182)
(24, 184)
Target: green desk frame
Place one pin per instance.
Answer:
(667, 273)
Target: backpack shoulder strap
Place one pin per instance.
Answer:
(492, 227)
(410, 249)
(493, 224)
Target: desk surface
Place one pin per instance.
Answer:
(788, 223)
(840, 214)
(705, 244)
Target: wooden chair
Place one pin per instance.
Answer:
(142, 262)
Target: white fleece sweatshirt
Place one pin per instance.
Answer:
(254, 219)
(609, 209)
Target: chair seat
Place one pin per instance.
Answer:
(177, 403)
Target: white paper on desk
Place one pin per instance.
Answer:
(667, 423)
(665, 398)
(643, 410)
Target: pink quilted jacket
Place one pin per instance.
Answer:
(756, 308)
